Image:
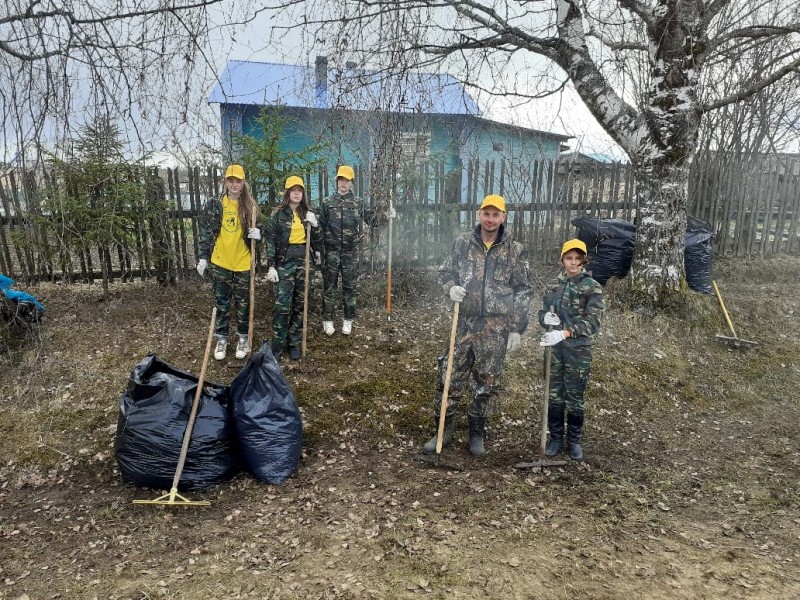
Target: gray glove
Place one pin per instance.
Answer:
(254, 233)
(551, 318)
(514, 340)
(201, 266)
(272, 275)
(551, 338)
(457, 293)
(311, 219)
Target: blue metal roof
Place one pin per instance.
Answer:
(258, 83)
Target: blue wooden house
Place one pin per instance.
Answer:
(389, 126)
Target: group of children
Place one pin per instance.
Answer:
(487, 273)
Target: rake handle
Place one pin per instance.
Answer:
(305, 287)
(448, 373)
(187, 434)
(724, 310)
(251, 321)
(548, 354)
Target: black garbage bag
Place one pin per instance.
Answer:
(609, 245)
(698, 255)
(153, 413)
(267, 419)
(610, 242)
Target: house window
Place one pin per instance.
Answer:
(414, 147)
(498, 146)
(233, 120)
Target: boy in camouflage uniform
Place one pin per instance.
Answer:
(578, 307)
(488, 273)
(341, 216)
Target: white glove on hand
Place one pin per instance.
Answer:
(254, 233)
(272, 275)
(201, 266)
(551, 318)
(392, 213)
(551, 338)
(311, 219)
(457, 293)
(514, 340)
(319, 257)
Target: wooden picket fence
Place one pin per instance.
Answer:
(753, 208)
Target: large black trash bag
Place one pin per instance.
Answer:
(698, 255)
(153, 414)
(609, 245)
(267, 419)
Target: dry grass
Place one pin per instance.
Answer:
(689, 488)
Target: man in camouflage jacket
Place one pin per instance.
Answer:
(488, 274)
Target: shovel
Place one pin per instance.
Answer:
(543, 460)
(734, 341)
(305, 287)
(435, 461)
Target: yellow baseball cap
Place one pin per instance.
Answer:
(235, 171)
(346, 172)
(293, 181)
(494, 200)
(575, 244)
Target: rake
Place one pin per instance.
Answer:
(435, 460)
(734, 341)
(173, 498)
(543, 460)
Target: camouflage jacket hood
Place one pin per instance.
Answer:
(579, 303)
(497, 280)
(341, 218)
(276, 235)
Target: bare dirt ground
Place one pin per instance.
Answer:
(689, 490)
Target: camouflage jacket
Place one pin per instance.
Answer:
(578, 302)
(276, 235)
(210, 225)
(497, 280)
(341, 219)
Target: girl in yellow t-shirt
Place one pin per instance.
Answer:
(226, 226)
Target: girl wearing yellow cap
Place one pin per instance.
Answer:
(574, 322)
(227, 225)
(285, 247)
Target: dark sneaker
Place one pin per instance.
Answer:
(294, 353)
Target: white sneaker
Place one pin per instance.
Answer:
(242, 347)
(328, 327)
(347, 327)
(221, 349)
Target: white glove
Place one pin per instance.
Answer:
(514, 340)
(319, 257)
(311, 219)
(392, 213)
(201, 266)
(254, 233)
(272, 275)
(457, 293)
(551, 318)
(551, 338)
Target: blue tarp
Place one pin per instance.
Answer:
(18, 297)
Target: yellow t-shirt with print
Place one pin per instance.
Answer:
(230, 251)
(297, 235)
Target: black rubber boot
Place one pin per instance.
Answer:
(277, 350)
(447, 436)
(555, 423)
(477, 428)
(574, 430)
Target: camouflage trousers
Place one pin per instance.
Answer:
(287, 316)
(231, 288)
(570, 367)
(478, 361)
(345, 263)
